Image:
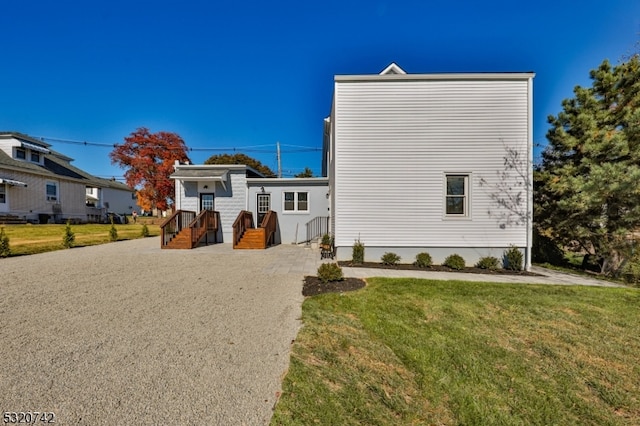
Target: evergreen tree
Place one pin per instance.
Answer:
(306, 173)
(588, 185)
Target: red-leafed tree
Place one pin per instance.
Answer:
(149, 159)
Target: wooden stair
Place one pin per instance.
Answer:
(182, 240)
(253, 238)
(9, 219)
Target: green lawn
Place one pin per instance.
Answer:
(31, 239)
(409, 351)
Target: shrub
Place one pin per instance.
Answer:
(357, 256)
(113, 232)
(69, 237)
(488, 262)
(390, 259)
(512, 259)
(631, 272)
(326, 240)
(423, 260)
(454, 261)
(5, 250)
(330, 272)
(145, 231)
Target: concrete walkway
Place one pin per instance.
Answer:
(306, 260)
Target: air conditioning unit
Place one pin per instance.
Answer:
(52, 198)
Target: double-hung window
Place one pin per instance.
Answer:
(296, 202)
(457, 195)
(52, 191)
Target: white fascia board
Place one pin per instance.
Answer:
(312, 180)
(448, 76)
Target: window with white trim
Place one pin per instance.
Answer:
(35, 156)
(457, 195)
(3, 193)
(52, 191)
(21, 153)
(296, 202)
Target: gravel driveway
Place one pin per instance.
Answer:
(126, 333)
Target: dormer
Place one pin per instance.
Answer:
(23, 148)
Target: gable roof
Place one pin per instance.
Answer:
(56, 165)
(393, 68)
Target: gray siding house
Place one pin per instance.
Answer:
(230, 189)
(414, 161)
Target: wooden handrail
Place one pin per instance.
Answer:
(269, 223)
(174, 224)
(205, 221)
(243, 222)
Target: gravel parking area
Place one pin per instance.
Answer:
(126, 333)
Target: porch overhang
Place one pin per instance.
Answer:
(202, 175)
(12, 182)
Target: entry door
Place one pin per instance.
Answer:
(264, 205)
(206, 202)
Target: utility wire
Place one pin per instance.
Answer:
(249, 148)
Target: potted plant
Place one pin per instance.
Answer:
(325, 243)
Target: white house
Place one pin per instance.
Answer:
(38, 184)
(415, 162)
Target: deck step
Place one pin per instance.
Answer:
(252, 239)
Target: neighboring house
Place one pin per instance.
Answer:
(407, 155)
(118, 197)
(230, 189)
(39, 185)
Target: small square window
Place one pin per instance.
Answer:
(35, 156)
(21, 154)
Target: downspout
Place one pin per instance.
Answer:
(529, 218)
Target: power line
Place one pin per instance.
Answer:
(249, 148)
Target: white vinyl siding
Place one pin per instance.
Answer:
(395, 140)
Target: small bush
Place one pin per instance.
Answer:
(5, 250)
(423, 260)
(454, 261)
(326, 240)
(69, 237)
(113, 232)
(357, 255)
(631, 272)
(145, 231)
(390, 259)
(512, 259)
(488, 262)
(330, 272)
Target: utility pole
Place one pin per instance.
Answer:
(279, 160)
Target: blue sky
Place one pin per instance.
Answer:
(247, 74)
